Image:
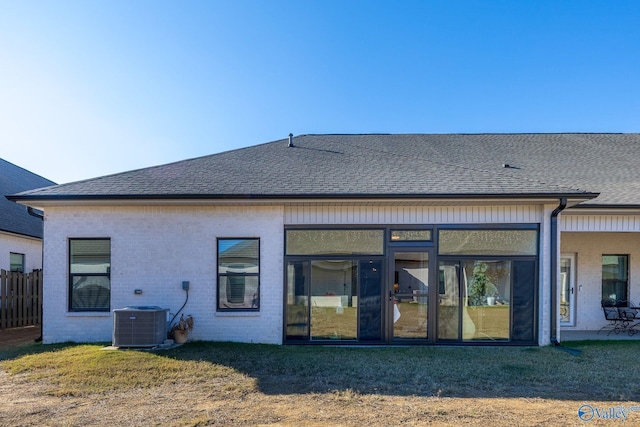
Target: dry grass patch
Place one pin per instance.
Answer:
(240, 384)
(86, 369)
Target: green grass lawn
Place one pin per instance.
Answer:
(348, 377)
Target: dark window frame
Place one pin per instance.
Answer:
(516, 337)
(73, 275)
(619, 302)
(512, 258)
(256, 303)
(22, 264)
(486, 227)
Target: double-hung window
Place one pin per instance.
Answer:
(89, 274)
(238, 274)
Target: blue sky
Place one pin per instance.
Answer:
(90, 88)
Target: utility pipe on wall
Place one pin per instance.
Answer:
(554, 267)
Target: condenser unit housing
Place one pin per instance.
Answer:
(139, 326)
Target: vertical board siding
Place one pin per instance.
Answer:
(20, 299)
(341, 214)
(612, 223)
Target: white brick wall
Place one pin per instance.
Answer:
(589, 248)
(155, 249)
(29, 246)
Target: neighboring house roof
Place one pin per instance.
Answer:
(389, 166)
(14, 218)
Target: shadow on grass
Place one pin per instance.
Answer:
(597, 371)
(31, 348)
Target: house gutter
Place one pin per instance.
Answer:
(25, 199)
(554, 267)
(33, 212)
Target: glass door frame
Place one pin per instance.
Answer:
(388, 296)
(572, 289)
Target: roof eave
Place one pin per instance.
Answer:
(603, 209)
(38, 201)
(20, 234)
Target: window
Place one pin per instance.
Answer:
(16, 262)
(334, 299)
(488, 242)
(615, 278)
(410, 235)
(238, 274)
(488, 284)
(89, 274)
(335, 242)
(334, 285)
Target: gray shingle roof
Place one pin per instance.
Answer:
(374, 165)
(14, 218)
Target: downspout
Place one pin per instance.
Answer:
(554, 267)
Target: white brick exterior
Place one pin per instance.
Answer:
(155, 249)
(589, 248)
(29, 246)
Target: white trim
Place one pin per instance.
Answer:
(383, 201)
(88, 314)
(600, 223)
(572, 289)
(22, 236)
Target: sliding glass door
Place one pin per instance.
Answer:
(408, 302)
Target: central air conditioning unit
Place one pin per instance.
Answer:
(139, 326)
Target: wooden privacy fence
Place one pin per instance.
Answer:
(20, 299)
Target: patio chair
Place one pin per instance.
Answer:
(631, 313)
(613, 314)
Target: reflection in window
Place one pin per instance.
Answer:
(16, 262)
(488, 242)
(89, 274)
(448, 301)
(238, 274)
(410, 235)
(479, 296)
(334, 300)
(615, 278)
(298, 277)
(334, 242)
(488, 296)
(410, 295)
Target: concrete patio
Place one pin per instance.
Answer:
(594, 335)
